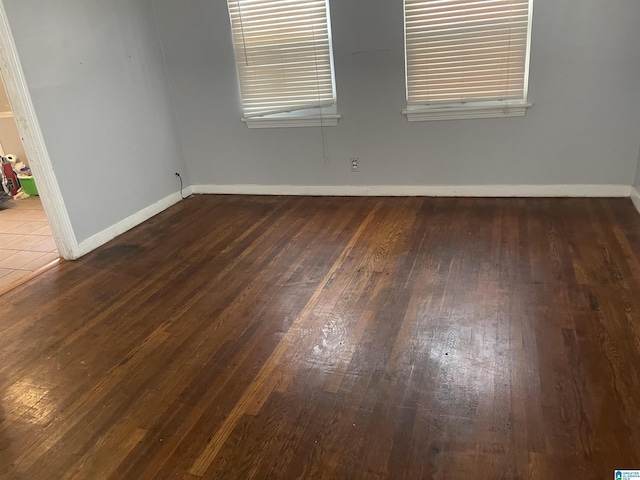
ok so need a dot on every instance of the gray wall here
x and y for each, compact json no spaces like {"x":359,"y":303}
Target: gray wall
{"x":581,"y":130}
{"x":96,"y":75}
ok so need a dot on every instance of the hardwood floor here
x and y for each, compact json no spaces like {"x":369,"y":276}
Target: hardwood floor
{"x":240,"y":337}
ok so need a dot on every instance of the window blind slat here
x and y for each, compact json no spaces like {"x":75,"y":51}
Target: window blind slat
{"x":266,"y":92}
{"x":465,"y":50}
{"x":502,"y":50}
{"x":434,"y":79}
{"x":303,"y":65}
{"x":283,"y":54}
{"x":429,"y":43}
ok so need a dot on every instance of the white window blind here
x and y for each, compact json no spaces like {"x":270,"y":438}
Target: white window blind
{"x":284,"y":56}
{"x":462,"y":51}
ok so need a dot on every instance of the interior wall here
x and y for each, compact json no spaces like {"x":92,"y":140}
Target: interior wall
{"x":11,"y":140}
{"x":582,"y":129}
{"x":9,"y":135}
{"x":96,"y":75}
{"x":5,"y":105}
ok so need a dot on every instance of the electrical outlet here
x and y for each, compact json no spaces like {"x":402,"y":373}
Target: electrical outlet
{"x":355,"y":164}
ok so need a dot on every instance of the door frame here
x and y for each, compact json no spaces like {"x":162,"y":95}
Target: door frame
{"x":34,"y":145}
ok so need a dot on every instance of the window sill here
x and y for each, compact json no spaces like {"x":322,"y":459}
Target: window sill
{"x":329,"y":120}
{"x":461,"y":112}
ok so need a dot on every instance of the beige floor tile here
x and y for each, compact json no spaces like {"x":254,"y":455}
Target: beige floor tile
{"x":33,"y":215}
{"x":45,"y":230}
{"x":41,"y":262}
{"x":12,"y":277}
{"x":5,"y":271}
{"x":6,"y":225}
{"x":6,"y":253}
{"x":45,"y":245}
{"x":24,"y":215}
{"x":24,"y":242}
{"x":31,"y":203}
{"x":8,"y":237}
{"x":20,"y":259}
{"x":30,"y":228}
{"x":16,"y":214}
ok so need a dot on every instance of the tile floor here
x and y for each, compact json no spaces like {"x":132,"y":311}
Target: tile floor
{"x":26,"y":243}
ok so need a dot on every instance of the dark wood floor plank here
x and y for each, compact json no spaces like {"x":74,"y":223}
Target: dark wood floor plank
{"x":301,"y":337}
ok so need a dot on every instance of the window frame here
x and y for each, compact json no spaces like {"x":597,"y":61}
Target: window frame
{"x":325,"y":116}
{"x":472,"y":108}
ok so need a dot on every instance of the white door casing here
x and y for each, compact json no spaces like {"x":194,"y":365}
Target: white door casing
{"x":35,"y":148}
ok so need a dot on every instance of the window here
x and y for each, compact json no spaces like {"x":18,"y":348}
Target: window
{"x":466,"y":58}
{"x":285,"y":62}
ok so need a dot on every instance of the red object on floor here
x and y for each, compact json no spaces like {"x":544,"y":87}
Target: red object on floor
{"x":12,"y":179}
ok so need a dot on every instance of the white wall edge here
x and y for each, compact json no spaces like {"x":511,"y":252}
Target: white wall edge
{"x":34,"y":145}
{"x":635,"y":198}
{"x":130,"y":222}
{"x":422,"y":190}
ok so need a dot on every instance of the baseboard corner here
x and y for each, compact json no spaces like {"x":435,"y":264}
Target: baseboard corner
{"x":127,"y":224}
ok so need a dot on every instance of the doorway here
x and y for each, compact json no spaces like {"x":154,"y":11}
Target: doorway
{"x":49,"y":206}
{"x":26,"y":240}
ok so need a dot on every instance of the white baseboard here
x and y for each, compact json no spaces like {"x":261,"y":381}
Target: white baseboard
{"x":635,"y":198}
{"x":128,"y":223}
{"x":422,"y":190}
{"x":134,"y":220}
